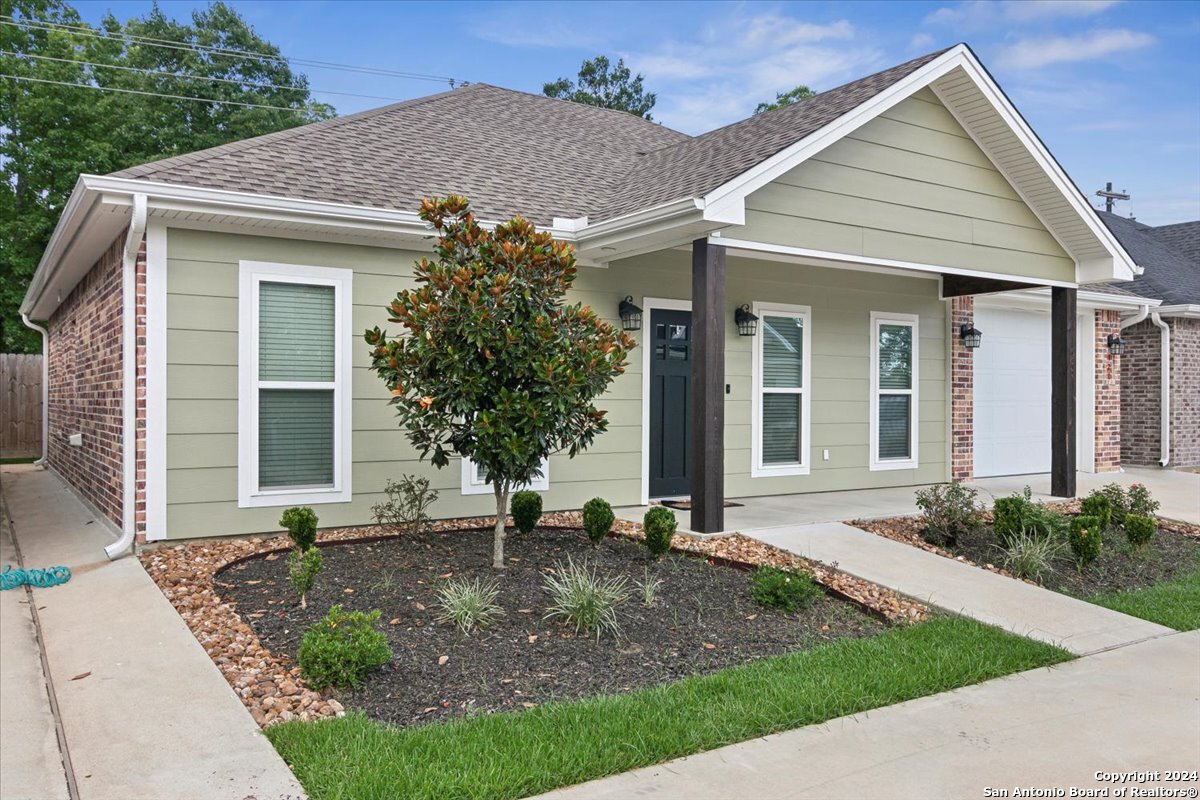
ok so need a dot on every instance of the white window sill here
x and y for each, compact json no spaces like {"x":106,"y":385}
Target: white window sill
{"x":880,"y":466}
{"x":295,"y":497}
{"x":780,"y":471}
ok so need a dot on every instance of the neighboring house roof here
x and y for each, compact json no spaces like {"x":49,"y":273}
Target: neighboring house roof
{"x":1182,"y":236}
{"x":1171,"y":274}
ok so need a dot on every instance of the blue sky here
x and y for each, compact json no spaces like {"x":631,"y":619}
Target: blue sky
{"x":1113,"y":88}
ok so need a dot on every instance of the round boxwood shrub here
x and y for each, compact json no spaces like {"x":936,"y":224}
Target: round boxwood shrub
{"x":526,"y":510}
{"x":788,"y":590}
{"x":1085,"y":539}
{"x":1139,"y":529}
{"x":301,"y":525}
{"x":1097,"y":505}
{"x":598,"y":519}
{"x":659,"y":525}
{"x":342,"y":648}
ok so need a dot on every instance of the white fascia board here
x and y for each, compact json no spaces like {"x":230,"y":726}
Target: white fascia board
{"x":1186,"y":310}
{"x":78,"y":208}
{"x":1040,"y":298}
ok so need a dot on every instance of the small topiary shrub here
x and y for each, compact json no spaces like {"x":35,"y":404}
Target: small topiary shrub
{"x":1099,"y":506}
{"x":1085,"y":539}
{"x":1140,"y":501}
{"x":303,"y":566}
{"x":469,"y":604}
{"x":598,"y":519}
{"x":1139,"y":530}
{"x":342,"y":648}
{"x":407,"y":505}
{"x":526,"y":510}
{"x":1118,"y":502}
{"x":1018,"y":514}
{"x":787,"y":590}
{"x":659,"y":525}
{"x":951,"y":511}
{"x":301,"y":525}
{"x":581,"y":598}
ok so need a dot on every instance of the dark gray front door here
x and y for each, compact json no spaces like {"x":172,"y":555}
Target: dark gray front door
{"x":670,"y":337}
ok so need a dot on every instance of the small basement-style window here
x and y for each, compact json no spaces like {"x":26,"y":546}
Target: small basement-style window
{"x":474,"y":481}
{"x":894,"y":382}
{"x":294,"y":382}
{"x":780,"y":416}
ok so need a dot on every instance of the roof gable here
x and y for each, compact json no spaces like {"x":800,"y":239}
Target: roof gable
{"x":1169,"y":273}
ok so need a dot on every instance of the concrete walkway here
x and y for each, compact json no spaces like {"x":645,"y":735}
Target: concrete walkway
{"x":1136,"y":708}
{"x":986,"y":596}
{"x":144,"y":710}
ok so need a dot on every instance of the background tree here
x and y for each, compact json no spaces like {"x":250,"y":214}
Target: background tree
{"x":493,"y":366}
{"x":602,"y":85}
{"x":786,"y":99}
{"x":50,"y":133}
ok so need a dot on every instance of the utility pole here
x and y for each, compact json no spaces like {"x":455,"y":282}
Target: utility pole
{"x":1110,"y":196}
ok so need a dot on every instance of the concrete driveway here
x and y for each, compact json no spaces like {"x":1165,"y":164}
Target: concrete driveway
{"x":104,"y":692}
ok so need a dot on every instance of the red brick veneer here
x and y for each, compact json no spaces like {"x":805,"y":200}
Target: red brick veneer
{"x":1107,"y":440}
{"x":962,"y":392}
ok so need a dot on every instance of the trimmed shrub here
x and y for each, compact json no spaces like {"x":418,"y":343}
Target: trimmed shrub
{"x":598,"y":519}
{"x":303,"y":566}
{"x":1099,"y":506}
{"x":1085,"y":539}
{"x":1140,"y":501}
{"x":1118,"y":502}
{"x":659,"y":525}
{"x":407,"y":505}
{"x":341,"y":648}
{"x":788,"y":590}
{"x":1017,"y":514}
{"x":1139,"y":530}
{"x":526,"y":510}
{"x":951,"y":510}
{"x":581,"y":598}
{"x":301,"y":525}
{"x":469,"y":604}
{"x":1030,"y":557}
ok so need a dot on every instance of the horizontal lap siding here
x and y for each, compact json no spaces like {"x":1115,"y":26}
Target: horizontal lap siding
{"x":908,"y":186}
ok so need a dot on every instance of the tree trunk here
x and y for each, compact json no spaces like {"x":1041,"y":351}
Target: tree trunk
{"x":304,"y":600}
{"x":501,"y":489}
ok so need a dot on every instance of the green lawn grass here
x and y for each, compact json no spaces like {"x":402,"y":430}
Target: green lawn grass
{"x":518,"y":754}
{"x":1174,"y":603}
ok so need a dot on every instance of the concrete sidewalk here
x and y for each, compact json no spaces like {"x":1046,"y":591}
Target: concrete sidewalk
{"x":153,"y":718}
{"x":1136,"y":708}
{"x":986,"y":596}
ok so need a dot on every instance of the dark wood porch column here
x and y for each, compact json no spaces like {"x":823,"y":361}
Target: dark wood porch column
{"x":708,"y":387}
{"x":1062,"y":392}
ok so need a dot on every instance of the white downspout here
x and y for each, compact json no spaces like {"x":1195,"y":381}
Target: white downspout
{"x":133,"y":241}
{"x":1165,"y":389}
{"x":1136,"y":318}
{"x":45,"y":386}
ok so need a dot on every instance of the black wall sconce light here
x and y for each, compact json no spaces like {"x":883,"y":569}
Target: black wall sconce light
{"x":1116,"y":345}
{"x":971,"y":336}
{"x":747,"y":321}
{"x":631,"y":315}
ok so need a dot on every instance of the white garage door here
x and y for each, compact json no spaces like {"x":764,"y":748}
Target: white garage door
{"x":1012,"y":391}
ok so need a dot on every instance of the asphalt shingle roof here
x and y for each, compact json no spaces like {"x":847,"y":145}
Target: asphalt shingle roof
{"x":1170,"y":275}
{"x":1182,"y":236}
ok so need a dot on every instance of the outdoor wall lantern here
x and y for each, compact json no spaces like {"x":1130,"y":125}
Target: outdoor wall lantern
{"x":1116,"y":345}
{"x":747,"y":322}
{"x":971,"y":336}
{"x":631,"y":315}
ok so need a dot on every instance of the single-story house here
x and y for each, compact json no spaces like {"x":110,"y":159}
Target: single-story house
{"x":870,"y":229}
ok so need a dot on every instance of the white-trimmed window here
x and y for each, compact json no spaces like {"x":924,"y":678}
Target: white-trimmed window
{"x":894,"y":382}
{"x":782,"y":367}
{"x":293,"y":384}
{"x":474,"y":481}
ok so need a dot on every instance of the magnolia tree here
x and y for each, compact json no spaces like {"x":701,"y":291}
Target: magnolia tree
{"x":493,"y":365}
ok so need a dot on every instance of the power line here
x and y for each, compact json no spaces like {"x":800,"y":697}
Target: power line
{"x":150,"y":94}
{"x":145,"y":71}
{"x":91,"y":33}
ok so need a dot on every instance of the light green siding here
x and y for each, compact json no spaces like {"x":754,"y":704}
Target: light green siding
{"x":912,"y":186}
{"x":202,"y":381}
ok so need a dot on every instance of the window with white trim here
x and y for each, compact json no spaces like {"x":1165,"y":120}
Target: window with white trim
{"x":293,"y":384}
{"x":780,"y":416}
{"x":474,"y":480}
{"x":894,"y":382}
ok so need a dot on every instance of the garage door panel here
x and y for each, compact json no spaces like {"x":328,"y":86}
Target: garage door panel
{"x":1012,"y":392}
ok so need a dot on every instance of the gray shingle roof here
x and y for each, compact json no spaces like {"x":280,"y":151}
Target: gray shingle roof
{"x":1169,"y":274}
{"x":1182,"y":236}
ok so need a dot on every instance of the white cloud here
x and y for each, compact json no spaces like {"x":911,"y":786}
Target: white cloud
{"x":1026,"y":10}
{"x":1038,"y":52}
{"x":974,"y":15}
{"x":920,"y":41}
{"x":736,"y":62}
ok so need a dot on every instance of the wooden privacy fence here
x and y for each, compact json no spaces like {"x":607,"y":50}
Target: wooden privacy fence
{"x":20,"y":405}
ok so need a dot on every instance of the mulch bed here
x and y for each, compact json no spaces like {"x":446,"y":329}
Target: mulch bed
{"x":269,"y":684}
{"x":1173,"y":552}
{"x":701,"y":620}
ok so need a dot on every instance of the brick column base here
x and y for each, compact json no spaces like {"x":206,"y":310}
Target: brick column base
{"x":1107,"y":437}
{"x":962,"y":392}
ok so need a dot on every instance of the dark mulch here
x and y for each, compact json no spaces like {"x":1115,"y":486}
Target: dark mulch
{"x":702,"y":620}
{"x":1169,"y":555}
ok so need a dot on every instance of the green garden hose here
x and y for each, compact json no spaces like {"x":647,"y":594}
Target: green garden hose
{"x":41,"y":578}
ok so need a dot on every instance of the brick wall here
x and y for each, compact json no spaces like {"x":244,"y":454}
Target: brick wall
{"x":84,"y":363}
{"x":1140,"y":394}
{"x":962,"y":392}
{"x":1107,"y":440}
{"x":1185,"y":392}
